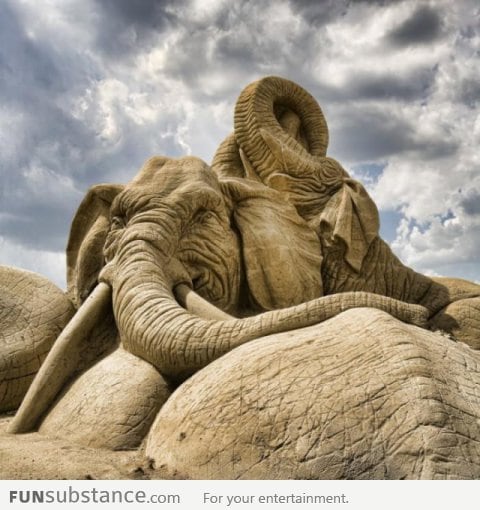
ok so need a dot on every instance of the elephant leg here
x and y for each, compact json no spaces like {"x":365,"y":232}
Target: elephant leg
{"x":462,"y":320}
{"x":33,"y":311}
{"x":111,"y":405}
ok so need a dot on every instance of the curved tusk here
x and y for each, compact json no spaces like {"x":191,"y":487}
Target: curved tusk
{"x":195,"y":304}
{"x":61,"y":361}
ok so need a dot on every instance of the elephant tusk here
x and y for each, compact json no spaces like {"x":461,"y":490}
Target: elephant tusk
{"x":60,"y":361}
{"x":195,"y":304}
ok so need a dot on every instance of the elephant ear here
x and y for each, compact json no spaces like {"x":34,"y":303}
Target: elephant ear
{"x":352,"y":217}
{"x":87,"y":237}
{"x":282,"y":254}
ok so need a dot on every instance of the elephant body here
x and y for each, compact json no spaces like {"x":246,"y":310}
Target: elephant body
{"x":361,"y":396}
{"x":280,"y":138}
{"x":382,"y":273}
{"x":260,"y":291}
{"x":106,"y":418}
{"x":33,"y":311}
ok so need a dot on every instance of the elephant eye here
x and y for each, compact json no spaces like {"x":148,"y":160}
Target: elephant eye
{"x":208,"y":215}
{"x":203,"y":216}
{"x":117,"y":223}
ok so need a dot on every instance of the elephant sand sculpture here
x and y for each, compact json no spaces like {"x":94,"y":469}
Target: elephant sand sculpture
{"x":239,"y":320}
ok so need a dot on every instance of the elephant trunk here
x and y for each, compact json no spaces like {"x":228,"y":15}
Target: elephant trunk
{"x":155,"y":327}
{"x":258,"y":111}
{"x":61,"y":361}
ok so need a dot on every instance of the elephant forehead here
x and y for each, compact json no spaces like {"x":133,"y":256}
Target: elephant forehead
{"x":168,"y":174}
{"x":177,"y":195}
{"x":187,"y":170}
{"x":193,"y":196}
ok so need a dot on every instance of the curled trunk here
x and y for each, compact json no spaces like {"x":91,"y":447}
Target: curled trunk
{"x":153,"y":326}
{"x":278,"y":109}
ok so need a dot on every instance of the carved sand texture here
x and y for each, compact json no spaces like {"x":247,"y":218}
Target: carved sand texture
{"x":258,"y":289}
{"x":461,"y":320}
{"x":37,"y":457}
{"x":227,"y":161}
{"x":359,"y":396}
{"x":103,"y":408}
{"x":33,"y":311}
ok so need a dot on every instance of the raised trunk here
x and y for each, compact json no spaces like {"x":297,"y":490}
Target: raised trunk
{"x":258,"y":111}
{"x":153,"y":326}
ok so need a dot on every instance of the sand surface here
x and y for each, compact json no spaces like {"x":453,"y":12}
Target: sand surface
{"x":36,"y":457}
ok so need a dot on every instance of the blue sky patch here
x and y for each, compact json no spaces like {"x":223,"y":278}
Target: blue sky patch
{"x":389,"y":221}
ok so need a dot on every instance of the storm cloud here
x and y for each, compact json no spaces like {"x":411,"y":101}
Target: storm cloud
{"x":423,"y":26}
{"x":91,"y":89}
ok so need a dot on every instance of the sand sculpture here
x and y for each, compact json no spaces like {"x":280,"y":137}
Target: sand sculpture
{"x":239,"y":320}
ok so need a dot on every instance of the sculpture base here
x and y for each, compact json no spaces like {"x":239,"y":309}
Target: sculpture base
{"x":36,"y":457}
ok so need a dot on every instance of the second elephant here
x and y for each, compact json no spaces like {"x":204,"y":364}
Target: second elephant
{"x":280,"y":138}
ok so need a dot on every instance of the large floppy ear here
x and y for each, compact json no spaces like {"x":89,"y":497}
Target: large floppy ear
{"x":282,"y":254}
{"x":87,"y":237}
{"x":352,"y":217}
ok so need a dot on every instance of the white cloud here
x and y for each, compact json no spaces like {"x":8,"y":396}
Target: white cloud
{"x":50,"y":264}
{"x":95,"y":88}
{"x":431,"y":188}
{"x":453,"y":241}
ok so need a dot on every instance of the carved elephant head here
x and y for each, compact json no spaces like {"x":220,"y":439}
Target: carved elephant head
{"x":235,"y":242}
{"x":280,"y":138}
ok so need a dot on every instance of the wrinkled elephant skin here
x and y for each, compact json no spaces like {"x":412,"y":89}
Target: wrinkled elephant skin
{"x":33,"y":311}
{"x":103,"y":416}
{"x":359,"y":396}
{"x":241,"y":320}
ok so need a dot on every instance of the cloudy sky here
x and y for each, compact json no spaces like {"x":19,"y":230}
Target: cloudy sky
{"x":89,"y":89}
